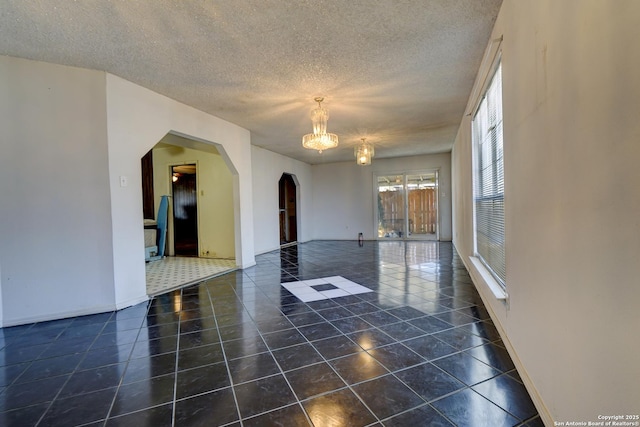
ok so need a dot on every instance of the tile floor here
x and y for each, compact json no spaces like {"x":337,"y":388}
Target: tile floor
{"x":173,"y":272}
{"x":242,"y":350}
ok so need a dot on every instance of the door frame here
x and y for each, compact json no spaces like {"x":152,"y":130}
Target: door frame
{"x":296,"y":185}
{"x":170,"y":219}
{"x":404,"y":174}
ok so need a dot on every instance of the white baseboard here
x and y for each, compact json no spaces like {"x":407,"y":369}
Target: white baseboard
{"x":57,"y":316}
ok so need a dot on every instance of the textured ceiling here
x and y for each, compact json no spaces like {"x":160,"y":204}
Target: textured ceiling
{"x":397,"y":72}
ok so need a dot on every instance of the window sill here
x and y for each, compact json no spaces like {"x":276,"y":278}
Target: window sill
{"x":498,"y":291}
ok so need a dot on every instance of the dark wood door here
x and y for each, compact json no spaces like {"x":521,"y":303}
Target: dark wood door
{"x":288,"y":209}
{"x":185,"y":214}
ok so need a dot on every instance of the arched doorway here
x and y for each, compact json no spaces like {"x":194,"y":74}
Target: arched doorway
{"x":288,"y":209}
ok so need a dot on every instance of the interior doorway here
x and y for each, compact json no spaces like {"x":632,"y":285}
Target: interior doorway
{"x":185,"y":209}
{"x":408,"y":206}
{"x":288,"y":209}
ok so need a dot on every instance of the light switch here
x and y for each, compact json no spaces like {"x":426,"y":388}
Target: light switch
{"x":123,"y":181}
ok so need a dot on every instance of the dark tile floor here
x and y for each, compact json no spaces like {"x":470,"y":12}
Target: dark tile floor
{"x":240,"y":350}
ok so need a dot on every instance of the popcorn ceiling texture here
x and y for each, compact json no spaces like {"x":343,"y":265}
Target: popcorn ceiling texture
{"x":398,"y":72}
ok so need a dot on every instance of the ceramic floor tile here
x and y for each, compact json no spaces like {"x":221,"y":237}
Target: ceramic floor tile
{"x":313,"y":380}
{"x":339,"y":408}
{"x":468,"y":408}
{"x":387,"y":396}
{"x":230,"y":350}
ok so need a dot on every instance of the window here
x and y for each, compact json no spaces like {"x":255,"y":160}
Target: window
{"x":489,"y":179}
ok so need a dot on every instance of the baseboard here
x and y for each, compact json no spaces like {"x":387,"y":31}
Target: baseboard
{"x":57,"y":316}
{"x":537,"y":400}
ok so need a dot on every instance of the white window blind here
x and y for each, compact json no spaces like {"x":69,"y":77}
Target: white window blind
{"x":489,"y":179}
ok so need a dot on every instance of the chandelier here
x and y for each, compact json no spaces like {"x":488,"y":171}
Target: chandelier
{"x":364,"y":152}
{"x":319,"y":140}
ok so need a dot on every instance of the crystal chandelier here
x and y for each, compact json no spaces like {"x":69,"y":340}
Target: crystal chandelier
{"x":319,"y":140}
{"x":364,"y":152}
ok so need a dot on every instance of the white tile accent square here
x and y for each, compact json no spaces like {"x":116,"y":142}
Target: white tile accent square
{"x":303,"y":289}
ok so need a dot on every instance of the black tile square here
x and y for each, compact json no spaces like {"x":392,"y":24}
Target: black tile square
{"x":509,"y":394}
{"x":201,"y":380}
{"x":116,"y":338}
{"x":159,"y":416}
{"x":465,"y":368}
{"x":493,"y":355}
{"x":430,"y":347}
{"x":62,"y":347}
{"x":319,"y":331}
{"x":45,"y":368}
{"x":324,"y":287}
{"x":456,"y":318}
{"x":406,"y":313}
{"x":323,"y":304}
{"x":198,"y":338}
{"x":485,"y":329}
{"x":27,"y":416}
{"x":402,"y":331}
{"x":421,"y":416}
{"x":371,"y":338}
{"x":244,"y":347}
{"x":80,"y":409}
{"x":358,"y":367}
{"x":387,"y":396}
{"x":143,"y":394}
{"x":396,"y":356}
{"x":90,"y":380}
{"x":210,"y":409}
{"x":291,"y":415}
{"x":25,"y":394}
{"x":362,"y":307}
{"x":307,"y":318}
{"x":9,"y":373}
{"x":339,"y":408}
{"x":429,"y":381}
{"x":148,"y":367}
{"x":468,"y":408}
{"x":237,"y":331}
{"x":199,"y":356}
{"x":313,"y":380}
{"x":380,"y":318}
{"x":351,"y":324}
{"x":430,"y":324}
{"x":297,"y":356}
{"x":263,"y":395}
{"x":146,"y":348}
{"x":460,"y":338}
{"x":335,"y":313}
{"x":252,"y":367}
{"x":106,"y":356}
{"x":334,"y":347}
{"x":285,"y":338}
{"x":274,"y":324}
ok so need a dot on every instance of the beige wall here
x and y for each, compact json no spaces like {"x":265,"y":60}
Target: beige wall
{"x":215,"y":197}
{"x":343,"y":195}
{"x":55,"y":221}
{"x":268,"y":168}
{"x":571,"y":95}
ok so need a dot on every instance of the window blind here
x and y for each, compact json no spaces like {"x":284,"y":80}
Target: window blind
{"x":489,"y":179}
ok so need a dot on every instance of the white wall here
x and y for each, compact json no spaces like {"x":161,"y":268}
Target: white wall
{"x":343,"y":195}
{"x":571,"y":94}
{"x":268,"y":168}
{"x":70,"y":184}
{"x":55,"y":215}
{"x":137,"y":119}
{"x":215,"y":197}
